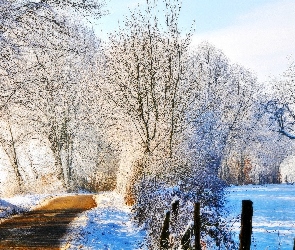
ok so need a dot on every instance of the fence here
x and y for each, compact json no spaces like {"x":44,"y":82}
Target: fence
{"x":244,"y":236}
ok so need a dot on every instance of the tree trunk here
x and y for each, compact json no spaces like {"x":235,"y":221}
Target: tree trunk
{"x":59,"y":168}
{"x":13,"y":159}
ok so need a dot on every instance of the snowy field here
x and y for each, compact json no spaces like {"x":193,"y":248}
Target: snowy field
{"x":273,"y":217}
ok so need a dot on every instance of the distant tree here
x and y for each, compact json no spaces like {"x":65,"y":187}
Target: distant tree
{"x":281,"y":107}
{"x":222,"y":115}
{"x":276,"y":127}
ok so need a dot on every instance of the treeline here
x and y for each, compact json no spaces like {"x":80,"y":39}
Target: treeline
{"x":141,"y":112}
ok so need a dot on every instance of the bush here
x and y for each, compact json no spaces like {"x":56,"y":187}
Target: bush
{"x":154,"y":197}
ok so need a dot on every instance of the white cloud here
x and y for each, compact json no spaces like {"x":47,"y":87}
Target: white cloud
{"x":261,"y":40}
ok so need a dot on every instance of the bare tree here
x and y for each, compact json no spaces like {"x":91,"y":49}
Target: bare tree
{"x":145,"y":74}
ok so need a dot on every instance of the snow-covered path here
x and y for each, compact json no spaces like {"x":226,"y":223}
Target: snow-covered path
{"x":105,"y":227}
{"x":44,"y":226}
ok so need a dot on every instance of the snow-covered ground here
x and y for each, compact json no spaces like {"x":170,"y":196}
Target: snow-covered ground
{"x":106,"y":227}
{"x":273,"y":216}
{"x":19,"y":204}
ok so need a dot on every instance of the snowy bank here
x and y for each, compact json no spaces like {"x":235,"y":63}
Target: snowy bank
{"x":23,"y":203}
{"x":19,"y":204}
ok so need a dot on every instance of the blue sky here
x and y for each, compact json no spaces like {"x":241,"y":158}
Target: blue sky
{"x":259,"y":34}
{"x":212,"y":15}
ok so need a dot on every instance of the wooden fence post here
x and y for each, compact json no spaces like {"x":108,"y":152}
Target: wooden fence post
{"x":197,"y":226}
{"x":174,"y":215}
{"x":164,"y":239}
{"x":246,"y":225}
{"x":175,"y":208}
{"x":186,"y":238}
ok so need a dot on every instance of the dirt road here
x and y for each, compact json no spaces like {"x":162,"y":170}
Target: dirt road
{"x":43,"y":227}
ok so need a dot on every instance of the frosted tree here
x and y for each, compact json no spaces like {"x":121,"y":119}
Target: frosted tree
{"x":167,"y":101}
{"x":145,"y":66}
{"x":282,"y":105}
{"x":145,"y":79}
{"x":277,"y":136}
{"x":44,"y":64}
{"x":9,"y":141}
{"x":222,"y":116}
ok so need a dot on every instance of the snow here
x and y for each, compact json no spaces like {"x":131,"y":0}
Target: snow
{"x":19,"y":204}
{"x":106,"y":227}
{"x":273,"y":215}
{"x":109,"y":226}
{"x":22,"y":203}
